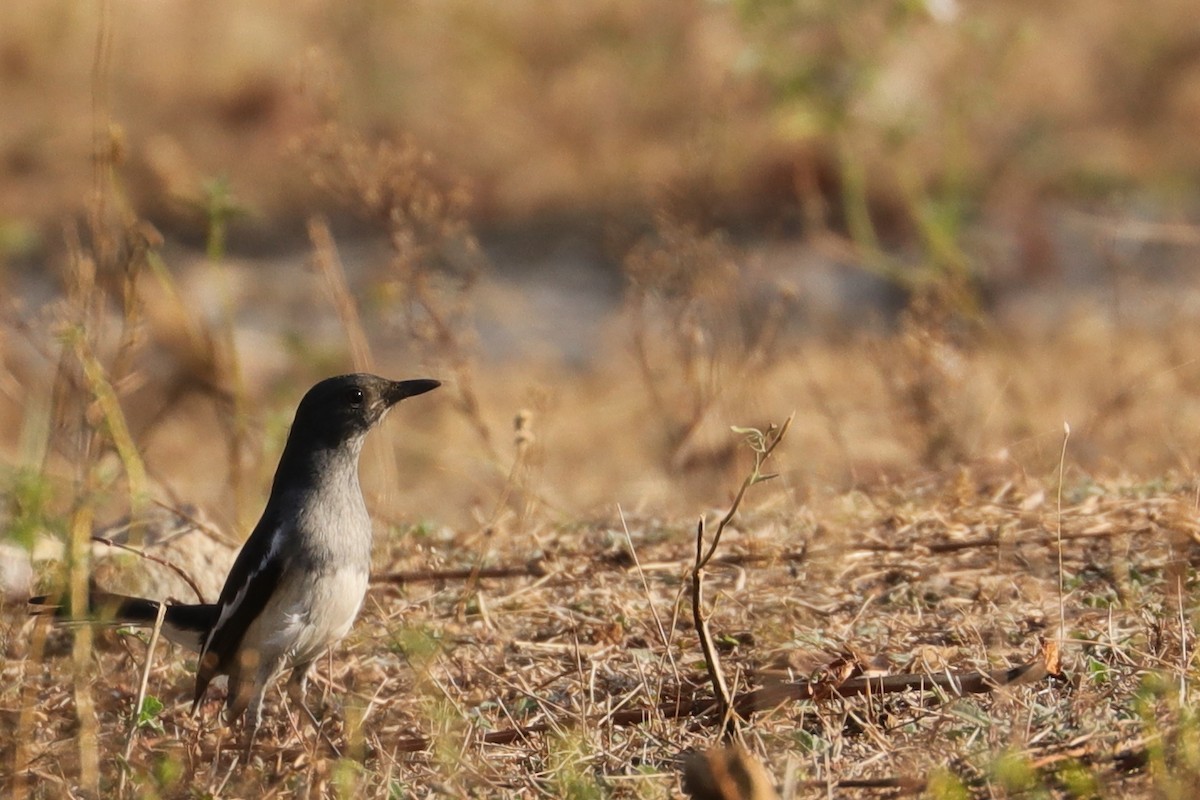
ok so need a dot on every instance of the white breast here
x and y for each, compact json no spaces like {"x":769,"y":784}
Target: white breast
{"x":307,"y":617}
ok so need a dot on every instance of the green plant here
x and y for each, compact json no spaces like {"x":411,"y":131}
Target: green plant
{"x":147,"y":714}
{"x":219,"y":205}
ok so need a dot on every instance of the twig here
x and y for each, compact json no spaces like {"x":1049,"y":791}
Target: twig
{"x":763,"y":445}
{"x":1133,"y":757}
{"x":1062,"y":609}
{"x":532,"y":569}
{"x":903,"y":784}
{"x":328,"y":263}
{"x":712,"y":659}
{"x":991,"y":540}
{"x":953,"y":684}
{"x":161,"y":561}
{"x":88,"y":736}
{"x":662,"y":632}
{"x":141,"y":698}
{"x":207,"y":528}
{"x":105,"y":396}
{"x":956,"y":684}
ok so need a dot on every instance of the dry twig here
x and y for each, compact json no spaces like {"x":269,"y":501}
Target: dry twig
{"x":763,"y":445}
{"x":746,"y":704}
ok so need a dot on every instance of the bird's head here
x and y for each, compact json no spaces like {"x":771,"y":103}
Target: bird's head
{"x":341,"y":409}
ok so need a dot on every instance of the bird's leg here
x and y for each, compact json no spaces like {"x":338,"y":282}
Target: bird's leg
{"x":247,"y":689}
{"x":297,"y":689}
{"x":253,"y":718}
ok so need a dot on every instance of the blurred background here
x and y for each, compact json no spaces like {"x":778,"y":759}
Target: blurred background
{"x":933,"y":229}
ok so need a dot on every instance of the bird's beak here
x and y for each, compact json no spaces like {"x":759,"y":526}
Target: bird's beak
{"x":398,"y":390}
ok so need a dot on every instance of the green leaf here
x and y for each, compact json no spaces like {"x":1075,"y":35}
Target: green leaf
{"x":148,"y":713}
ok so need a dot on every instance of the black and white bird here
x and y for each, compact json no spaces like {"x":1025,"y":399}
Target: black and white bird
{"x":300,"y":579}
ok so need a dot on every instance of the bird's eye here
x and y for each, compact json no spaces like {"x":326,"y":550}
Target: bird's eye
{"x":355,"y":396}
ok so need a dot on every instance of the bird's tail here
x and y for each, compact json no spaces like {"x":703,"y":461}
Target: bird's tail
{"x":183,"y":623}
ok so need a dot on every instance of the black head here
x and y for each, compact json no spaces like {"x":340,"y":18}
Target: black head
{"x":341,"y":409}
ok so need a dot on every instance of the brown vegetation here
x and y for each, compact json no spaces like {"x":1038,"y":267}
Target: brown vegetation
{"x":942,"y":590}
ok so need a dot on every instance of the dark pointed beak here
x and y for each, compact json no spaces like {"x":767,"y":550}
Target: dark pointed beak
{"x":398,"y":390}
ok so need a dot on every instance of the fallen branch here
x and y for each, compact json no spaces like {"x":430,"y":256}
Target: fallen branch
{"x":955,"y":684}
{"x":1127,"y":759}
{"x":746,"y":704}
{"x":993,"y":540}
{"x":531,"y":569}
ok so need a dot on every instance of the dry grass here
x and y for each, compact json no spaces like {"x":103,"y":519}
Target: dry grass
{"x":865,"y":553}
{"x":955,"y":572}
{"x":530,"y":631}
{"x":877,"y":549}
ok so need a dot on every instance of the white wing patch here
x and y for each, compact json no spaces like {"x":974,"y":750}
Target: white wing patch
{"x":228,"y":609}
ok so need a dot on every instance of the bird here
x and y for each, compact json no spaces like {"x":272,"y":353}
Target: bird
{"x":299,"y":580}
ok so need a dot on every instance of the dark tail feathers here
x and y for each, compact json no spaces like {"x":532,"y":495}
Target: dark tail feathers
{"x":183,"y":623}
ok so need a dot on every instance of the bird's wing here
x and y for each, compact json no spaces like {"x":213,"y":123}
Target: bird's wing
{"x":249,"y":586}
